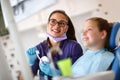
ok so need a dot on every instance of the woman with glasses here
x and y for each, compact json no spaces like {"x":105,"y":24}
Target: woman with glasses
{"x":60,"y":33}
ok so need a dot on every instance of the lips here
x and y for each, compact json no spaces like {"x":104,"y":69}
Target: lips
{"x":56,"y":31}
{"x":85,"y":38}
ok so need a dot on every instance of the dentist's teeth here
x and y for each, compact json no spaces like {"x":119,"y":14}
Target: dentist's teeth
{"x":55,"y":30}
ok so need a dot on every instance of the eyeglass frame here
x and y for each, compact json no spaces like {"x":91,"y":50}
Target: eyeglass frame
{"x":60,"y":23}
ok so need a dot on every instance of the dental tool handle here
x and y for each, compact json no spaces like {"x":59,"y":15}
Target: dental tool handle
{"x":37,"y":53}
{"x":50,"y":57}
{"x":43,"y":58}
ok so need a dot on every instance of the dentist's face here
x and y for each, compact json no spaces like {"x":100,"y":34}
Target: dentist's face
{"x":57,"y":25}
{"x":91,"y":36}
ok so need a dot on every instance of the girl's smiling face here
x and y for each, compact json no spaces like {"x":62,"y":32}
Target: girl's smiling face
{"x":91,"y":35}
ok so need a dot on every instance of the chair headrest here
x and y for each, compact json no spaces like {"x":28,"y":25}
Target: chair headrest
{"x":113,"y":35}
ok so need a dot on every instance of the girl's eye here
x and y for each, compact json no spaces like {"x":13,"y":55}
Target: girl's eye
{"x":89,"y":29}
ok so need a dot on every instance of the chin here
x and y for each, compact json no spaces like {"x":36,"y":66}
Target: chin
{"x":56,"y":36}
{"x":85,"y":44}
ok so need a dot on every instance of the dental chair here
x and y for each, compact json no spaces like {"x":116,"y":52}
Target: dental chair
{"x":115,"y":45}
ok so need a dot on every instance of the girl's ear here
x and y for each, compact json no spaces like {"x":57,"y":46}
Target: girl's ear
{"x":104,"y":34}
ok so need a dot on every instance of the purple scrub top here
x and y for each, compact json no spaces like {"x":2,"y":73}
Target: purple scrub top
{"x":70,"y":48}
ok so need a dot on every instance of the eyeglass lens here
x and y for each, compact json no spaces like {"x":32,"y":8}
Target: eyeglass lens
{"x":61,"y":23}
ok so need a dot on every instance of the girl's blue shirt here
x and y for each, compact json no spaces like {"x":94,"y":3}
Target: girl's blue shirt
{"x":92,"y":61}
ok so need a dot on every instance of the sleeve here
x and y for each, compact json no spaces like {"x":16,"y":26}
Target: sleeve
{"x":42,"y":50}
{"x":35,"y":67}
{"x":32,"y":59}
{"x":76,"y":52}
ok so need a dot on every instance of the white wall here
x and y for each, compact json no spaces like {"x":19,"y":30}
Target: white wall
{"x":78,"y":10}
{"x":30,"y":38}
{"x":9,"y":64}
{"x":111,"y":7}
{"x":72,"y":8}
{"x":5,"y":73}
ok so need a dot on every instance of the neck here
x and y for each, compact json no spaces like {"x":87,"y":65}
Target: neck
{"x":54,"y":43}
{"x":96,"y":48}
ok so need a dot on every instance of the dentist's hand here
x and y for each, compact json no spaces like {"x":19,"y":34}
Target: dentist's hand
{"x":45,"y":68}
{"x":31,"y":55}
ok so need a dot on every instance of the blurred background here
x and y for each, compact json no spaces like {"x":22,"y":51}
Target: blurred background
{"x":31,"y":17}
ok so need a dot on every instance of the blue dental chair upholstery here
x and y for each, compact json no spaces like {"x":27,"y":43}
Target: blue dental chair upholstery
{"x":116,"y":49}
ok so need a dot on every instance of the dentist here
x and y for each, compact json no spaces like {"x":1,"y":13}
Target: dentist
{"x":60,"y":33}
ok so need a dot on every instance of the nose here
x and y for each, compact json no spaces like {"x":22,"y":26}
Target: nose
{"x":84,"y":33}
{"x":57,"y":25}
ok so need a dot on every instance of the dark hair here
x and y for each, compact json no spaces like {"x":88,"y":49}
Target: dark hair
{"x":71,"y":31}
{"x":103,"y":24}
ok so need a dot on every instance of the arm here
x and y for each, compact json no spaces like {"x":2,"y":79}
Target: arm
{"x":32,"y":59}
{"x":47,"y":69}
{"x":31,"y":55}
{"x":76,"y":52}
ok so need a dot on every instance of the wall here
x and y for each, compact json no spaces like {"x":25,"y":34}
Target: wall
{"x":72,"y":8}
{"x":5,"y":73}
{"x":31,"y":38}
{"x":10,"y":56}
{"x":108,"y":9}
{"x":78,"y":10}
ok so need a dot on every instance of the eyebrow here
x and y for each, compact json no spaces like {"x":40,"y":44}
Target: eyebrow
{"x":59,"y":20}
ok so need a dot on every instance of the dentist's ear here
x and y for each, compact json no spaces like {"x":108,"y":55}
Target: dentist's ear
{"x":66,"y":29}
{"x":104,"y":34}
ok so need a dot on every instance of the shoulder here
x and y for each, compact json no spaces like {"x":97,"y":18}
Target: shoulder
{"x":42,"y":44}
{"x":72,"y":45}
{"x":71,"y":42}
{"x":43,"y":48}
{"x":109,"y":54}
{"x":104,"y":54}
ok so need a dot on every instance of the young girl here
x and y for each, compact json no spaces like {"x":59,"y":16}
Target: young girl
{"x":95,"y":36}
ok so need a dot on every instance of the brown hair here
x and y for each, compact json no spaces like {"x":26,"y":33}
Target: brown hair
{"x":71,"y":31}
{"x":103,"y":24}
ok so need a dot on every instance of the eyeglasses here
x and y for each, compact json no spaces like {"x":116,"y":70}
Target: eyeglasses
{"x":61,"y":23}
